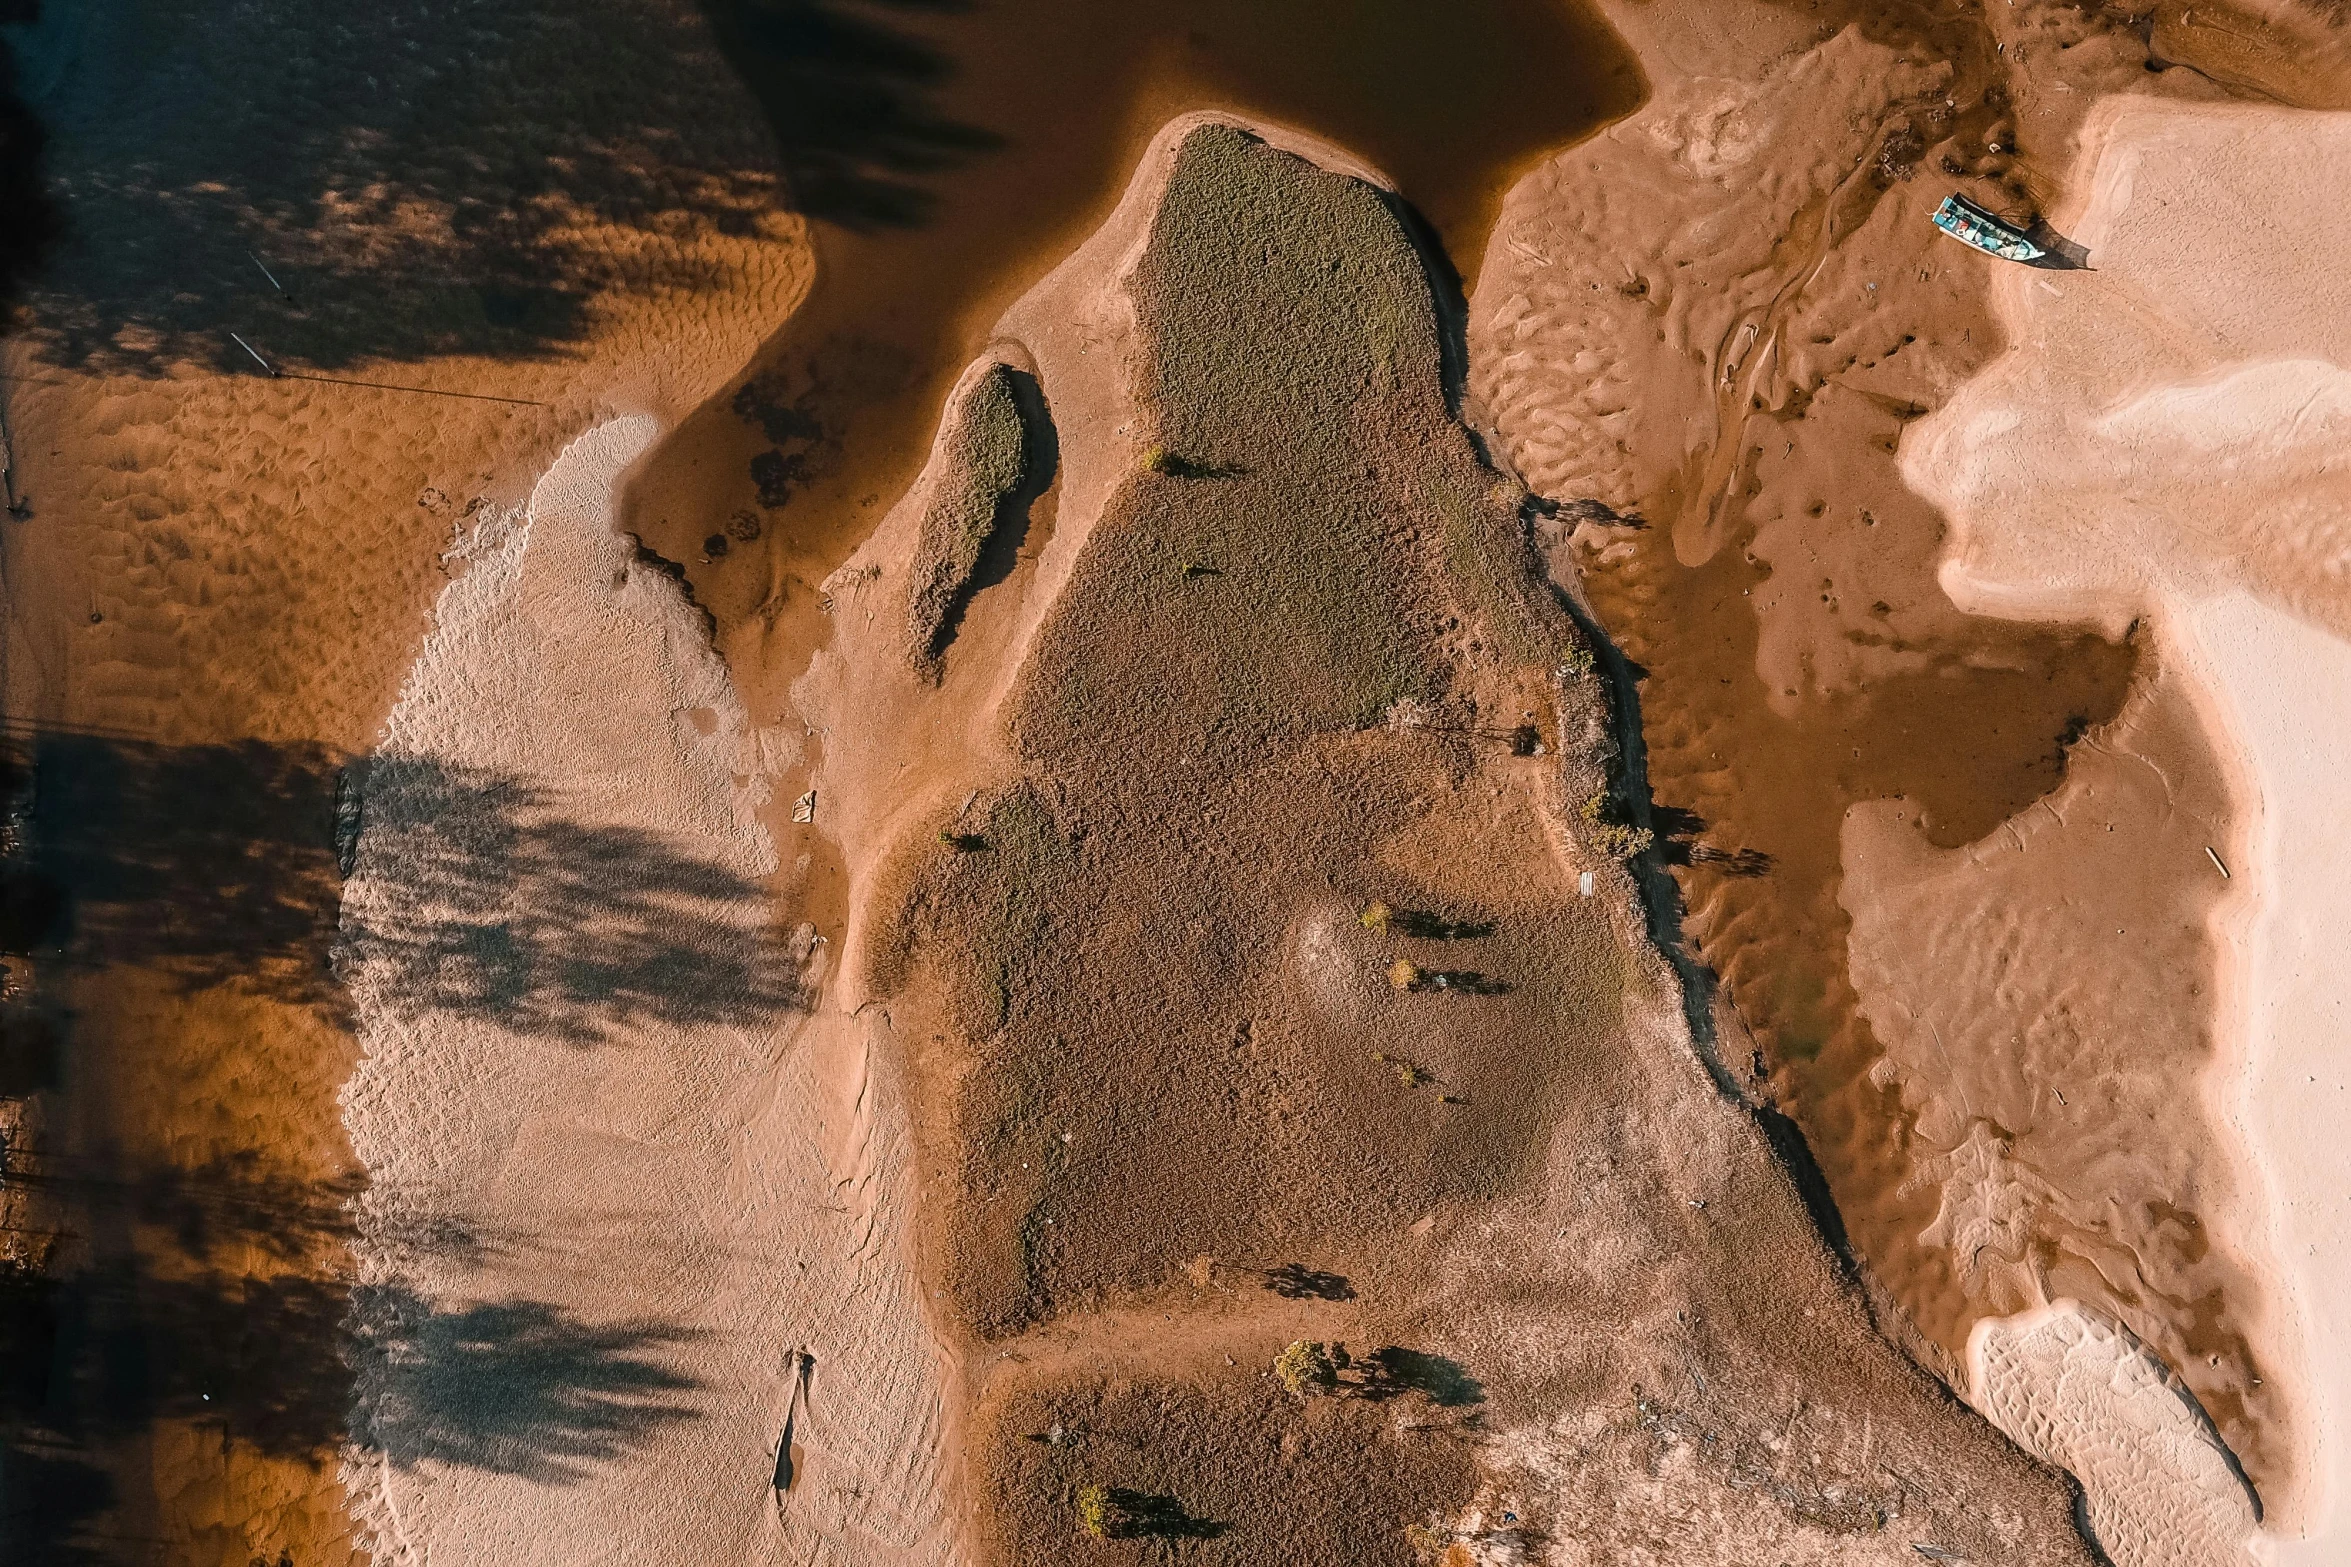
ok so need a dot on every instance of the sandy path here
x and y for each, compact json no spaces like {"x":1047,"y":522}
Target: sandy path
{"x":617,"y":1178}
{"x":2167,"y":439}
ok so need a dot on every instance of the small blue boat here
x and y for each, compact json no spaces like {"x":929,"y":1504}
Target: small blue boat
{"x":1970,"y":224}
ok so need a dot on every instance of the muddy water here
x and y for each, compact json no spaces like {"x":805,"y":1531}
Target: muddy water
{"x":949,"y":158}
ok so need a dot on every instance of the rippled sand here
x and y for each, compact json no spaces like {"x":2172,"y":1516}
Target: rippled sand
{"x":2166,"y":440}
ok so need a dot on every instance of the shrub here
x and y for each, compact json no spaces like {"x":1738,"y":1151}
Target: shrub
{"x":1096,"y":1514}
{"x":1307,"y":1368}
{"x":1375,"y":915}
{"x":1613,"y":837}
{"x":1405,"y":974}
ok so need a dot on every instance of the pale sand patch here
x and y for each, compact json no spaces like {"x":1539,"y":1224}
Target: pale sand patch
{"x":618,"y":1176}
{"x":2160,"y":1488}
{"x":2168,"y":439}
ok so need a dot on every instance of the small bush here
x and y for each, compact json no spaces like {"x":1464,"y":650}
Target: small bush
{"x":1405,"y":974}
{"x":1625,"y":843}
{"x":1613,"y":837}
{"x":1096,"y":1515}
{"x":1306,"y":1368}
{"x":1375,"y":915}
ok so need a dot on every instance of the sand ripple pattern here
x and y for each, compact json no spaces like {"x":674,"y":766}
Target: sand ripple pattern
{"x":619,"y":1173}
{"x":2082,"y":1393}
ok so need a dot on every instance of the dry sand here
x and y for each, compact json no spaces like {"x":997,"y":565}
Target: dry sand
{"x":618,"y":1183}
{"x":2165,"y":439}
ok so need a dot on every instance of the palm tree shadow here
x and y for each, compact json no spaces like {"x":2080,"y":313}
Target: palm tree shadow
{"x":303,"y":1367}
{"x":517,"y":1388}
{"x":1152,"y":1515}
{"x":482,"y":899}
{"x":222,"y":865}
{"x":848,"y":98}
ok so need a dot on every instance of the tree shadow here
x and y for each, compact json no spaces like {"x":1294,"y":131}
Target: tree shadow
{"x":514,"y":1388}
{"x":301,"y":1366}
{"x":1153,"y":1515}
{"x":212,"y":864}
{"x":1678,"y":843}
{"x":221,"y":865}
{"x":413,"y":183}
{"x":28,"y":216}
{"x":1425,"y":926}
{"x":848,"y":98}
{"x":482,"y":899}
{"x":1296,"y":1281}
{"x":218,"y":1294}
{"x":1393,"y":1372}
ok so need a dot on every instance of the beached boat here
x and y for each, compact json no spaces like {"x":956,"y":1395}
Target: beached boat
{"x":1970,"y":224}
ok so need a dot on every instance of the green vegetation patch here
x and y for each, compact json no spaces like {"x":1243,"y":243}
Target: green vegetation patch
{"x":981,"y":462}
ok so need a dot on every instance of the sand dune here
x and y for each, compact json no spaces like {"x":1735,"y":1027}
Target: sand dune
{"x":2160,"y":1488}
{"x":2165,"y":440}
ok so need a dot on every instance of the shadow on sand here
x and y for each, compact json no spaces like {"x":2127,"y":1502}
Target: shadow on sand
{"x":221,"y":865}
{"x":212,"y":1287}
{"x":848,"y":97}
{"x":414,"y":182}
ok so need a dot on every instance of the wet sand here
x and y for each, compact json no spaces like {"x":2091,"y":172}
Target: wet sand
{"x":1883,"y":813}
